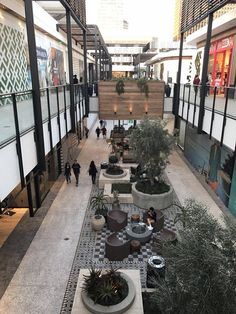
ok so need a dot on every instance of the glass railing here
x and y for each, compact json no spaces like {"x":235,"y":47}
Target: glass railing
{"x":53,"y":101}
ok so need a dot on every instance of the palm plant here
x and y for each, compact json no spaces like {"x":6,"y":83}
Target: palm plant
{"x":99,"y":203}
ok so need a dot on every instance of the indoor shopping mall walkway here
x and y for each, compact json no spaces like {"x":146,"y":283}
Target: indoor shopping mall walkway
{"x":40,"y":282}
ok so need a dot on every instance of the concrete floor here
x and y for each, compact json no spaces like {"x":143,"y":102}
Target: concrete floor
{"x":40,"y":281}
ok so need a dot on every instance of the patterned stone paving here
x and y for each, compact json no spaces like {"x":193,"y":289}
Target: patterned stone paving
{"x":90,"y":251}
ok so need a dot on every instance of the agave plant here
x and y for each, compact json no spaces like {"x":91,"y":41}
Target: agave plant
{"x":107,"y":288}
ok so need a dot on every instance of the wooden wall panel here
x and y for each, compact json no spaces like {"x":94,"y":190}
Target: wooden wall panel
{"x":131,"y":101}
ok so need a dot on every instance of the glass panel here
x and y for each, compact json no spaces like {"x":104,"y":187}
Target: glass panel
{"x":61,"y":97}
{"x":68,"y":96}
{"x":44,"y":103}
{"x":53,"y":100}
{"x":25,"y":111}
{"x":7,"y":124}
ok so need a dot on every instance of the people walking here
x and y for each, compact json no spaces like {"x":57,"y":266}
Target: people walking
{"x":101,"y":123}
{"x":67,"y":172}
{"x":104,"y":132}
{"x":76,"y":170}
{"x":86,"y":130}
{"x":92,"y":171}
{"x":196,"y":83}
{"x":98,"y":131}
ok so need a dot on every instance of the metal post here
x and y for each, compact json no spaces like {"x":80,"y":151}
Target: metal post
{"x":96,"y":58}
{"x":213,"y":112}
{"x":58,"y":115}
{"x":65,"y":112}
{"x":70,"y":64}
{"x":49,"y":121}
{"x":179,"y":74}
{"x":224,"y":120}
{"x":100,"y":62}
{"x":204,"y":74}
{"x":85,"y":74}
{"x":29,"y":19}
{"x":18,"y":142}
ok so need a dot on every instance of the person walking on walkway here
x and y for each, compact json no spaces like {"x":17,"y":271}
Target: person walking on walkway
{"x":86,"y":130}
{"x":76,"y":169}
{"x":101,"y":123}
{"x":67,"y":172}
{"x":98,"y":131}
{"x":104,"y":132}
{"x":92,"y":171}
{"x":196,"y":83}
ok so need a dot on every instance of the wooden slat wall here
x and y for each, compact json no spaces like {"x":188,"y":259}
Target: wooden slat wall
{"x":132,"y":100}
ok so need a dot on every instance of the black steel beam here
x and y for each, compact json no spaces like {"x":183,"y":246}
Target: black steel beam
{"x":49,"y":121}
{"x":85,"y":75}
{"x":225,"y":116}
{"x":70,"y":65}
{"x":29,"y":19}
{"x":58,"y":115}
{"x":179,"y":74}
{"x":204,"y":74}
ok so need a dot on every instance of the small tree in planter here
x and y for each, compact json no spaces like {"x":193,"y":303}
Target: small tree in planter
{"x":201,"y":267}
{"x":152,"y":145}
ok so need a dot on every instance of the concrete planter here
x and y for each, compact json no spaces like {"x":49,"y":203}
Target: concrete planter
{"x":112,"y":309}
{"x":158,"y":201}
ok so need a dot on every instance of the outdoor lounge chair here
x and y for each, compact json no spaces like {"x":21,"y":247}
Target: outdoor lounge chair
{"x":116,"y":249}
{"x":116,"y":219}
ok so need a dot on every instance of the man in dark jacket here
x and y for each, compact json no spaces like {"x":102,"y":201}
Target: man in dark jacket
{"x":76,"y":170}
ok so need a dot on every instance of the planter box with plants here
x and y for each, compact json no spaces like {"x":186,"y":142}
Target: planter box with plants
{"x":108,"y":289}
{"x":152,"y":145}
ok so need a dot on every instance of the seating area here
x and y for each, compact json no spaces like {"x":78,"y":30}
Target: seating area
{"x":116,"y":249}
{"x":116,"y":219}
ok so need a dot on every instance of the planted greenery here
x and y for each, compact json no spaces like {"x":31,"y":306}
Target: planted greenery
{"x":105,"y":288}
{"x":120,"y":87}
{"x":151,"y":145}
{"x":122,"y":188}
{"x":143,"y":86}
{"x":201,"y":267}
{"x":99,"y":203}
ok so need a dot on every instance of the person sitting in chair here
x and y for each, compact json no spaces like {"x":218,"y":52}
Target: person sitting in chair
{"x":151,"y":216}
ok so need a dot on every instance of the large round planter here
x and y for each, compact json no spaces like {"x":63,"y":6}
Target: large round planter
{"x":158,"y":201}
{"x":112,"y":309}
{"x":97,"y":222}
{"x":115,"y":176}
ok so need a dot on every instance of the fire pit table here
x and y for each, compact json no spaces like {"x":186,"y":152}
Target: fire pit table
{"x":139,"y":232}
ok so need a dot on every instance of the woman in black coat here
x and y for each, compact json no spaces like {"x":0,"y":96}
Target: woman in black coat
{"x":93,"y":171}
{"x":67,"y":172}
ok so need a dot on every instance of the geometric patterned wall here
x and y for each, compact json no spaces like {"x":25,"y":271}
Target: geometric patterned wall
{"x":13,"y":62}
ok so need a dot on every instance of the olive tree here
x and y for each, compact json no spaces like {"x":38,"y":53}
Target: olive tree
{"x":152,"y":144}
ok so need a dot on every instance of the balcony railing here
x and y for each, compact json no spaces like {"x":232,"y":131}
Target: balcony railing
{"x":219,"y":111}
{"x":54,"y":100}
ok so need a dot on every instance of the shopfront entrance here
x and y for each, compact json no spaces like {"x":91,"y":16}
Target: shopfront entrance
{"x":220,"y":63}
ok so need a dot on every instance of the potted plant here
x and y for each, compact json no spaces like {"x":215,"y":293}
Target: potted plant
{"x":98,"y":202}
{"x":201,"y":270}
{"x":108,"y":291}
{"x":120,"y":87}
{"x":152,"y":144}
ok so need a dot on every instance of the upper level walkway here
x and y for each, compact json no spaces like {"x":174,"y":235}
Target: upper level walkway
{"x":40,"y":282}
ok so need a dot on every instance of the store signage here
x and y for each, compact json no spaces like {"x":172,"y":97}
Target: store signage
{"x":226,"y":43}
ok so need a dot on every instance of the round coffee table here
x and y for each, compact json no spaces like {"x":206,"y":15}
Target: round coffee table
{"x":138,"y":231}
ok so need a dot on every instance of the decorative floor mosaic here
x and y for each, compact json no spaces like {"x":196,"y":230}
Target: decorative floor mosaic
{"x":91,"y":247}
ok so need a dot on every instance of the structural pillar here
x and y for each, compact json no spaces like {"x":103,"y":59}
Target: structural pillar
{"x":85,"y":74}
{"x":176,"y":105}
{"x":70,"y":65}
{"x":204,"y":73}
{"x":29,"y":19}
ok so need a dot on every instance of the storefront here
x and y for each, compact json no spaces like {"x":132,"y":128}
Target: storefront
{"x":219,"y":65}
